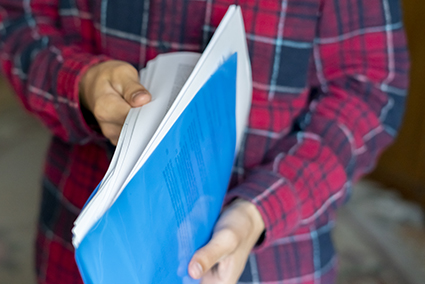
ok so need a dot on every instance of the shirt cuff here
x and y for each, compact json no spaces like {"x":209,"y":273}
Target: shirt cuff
{"x":275,"y":199}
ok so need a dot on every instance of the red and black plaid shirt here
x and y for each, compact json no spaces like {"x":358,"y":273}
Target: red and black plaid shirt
{"x":329,"y":79}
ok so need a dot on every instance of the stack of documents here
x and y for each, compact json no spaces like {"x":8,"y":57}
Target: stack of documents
{"x":163,"y":191}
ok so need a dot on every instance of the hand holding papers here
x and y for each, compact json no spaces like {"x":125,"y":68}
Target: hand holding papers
{"x":163,"y":191}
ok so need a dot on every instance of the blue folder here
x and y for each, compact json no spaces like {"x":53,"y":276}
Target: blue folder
{"x":170,"y":207}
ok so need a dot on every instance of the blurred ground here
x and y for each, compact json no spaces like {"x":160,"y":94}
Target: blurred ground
{"x":380,"y":238}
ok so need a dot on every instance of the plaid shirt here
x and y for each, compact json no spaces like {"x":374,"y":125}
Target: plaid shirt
{"x":329,"y":83}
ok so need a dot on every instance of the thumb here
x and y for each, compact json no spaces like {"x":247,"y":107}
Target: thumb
{"x":223,"y":243}
{"x":135,"y":93}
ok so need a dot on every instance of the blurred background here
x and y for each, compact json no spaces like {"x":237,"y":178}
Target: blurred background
{"x":380,"y":234}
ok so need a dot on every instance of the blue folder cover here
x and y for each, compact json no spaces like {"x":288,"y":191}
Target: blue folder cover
{"x":169,"y":209}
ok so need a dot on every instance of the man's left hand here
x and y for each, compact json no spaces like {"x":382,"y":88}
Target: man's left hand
{"x":223,"y":259}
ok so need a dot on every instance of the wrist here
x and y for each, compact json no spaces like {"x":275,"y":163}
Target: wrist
{"x":255,"y":220}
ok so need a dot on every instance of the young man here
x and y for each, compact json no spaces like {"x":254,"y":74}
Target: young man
{"x":329,"y":89}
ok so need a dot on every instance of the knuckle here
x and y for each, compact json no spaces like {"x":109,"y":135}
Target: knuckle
{"x":125,"y":69}
{"x":228,"y":238}
{"x":101,"y":111}
{"x":121,"y":68}
{"x":116,"y":85}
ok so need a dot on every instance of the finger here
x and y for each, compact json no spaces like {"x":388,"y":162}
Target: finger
{"x":135,"y":93}
{"x":111,"y":108}
{"x":223,"y":243}
{"x":219,"y":273}
{"x":111,"y":131}
{"x":126,"y":82}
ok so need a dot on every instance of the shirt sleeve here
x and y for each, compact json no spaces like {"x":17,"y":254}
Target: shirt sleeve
{"x":354,"y":115}
{"x":44,"y":68}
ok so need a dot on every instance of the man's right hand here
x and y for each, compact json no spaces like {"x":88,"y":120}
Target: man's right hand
{"x":109,"y":90}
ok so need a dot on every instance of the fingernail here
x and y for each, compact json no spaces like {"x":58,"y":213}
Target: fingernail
{"x":140,"y":96}
{"x":196,"y":270}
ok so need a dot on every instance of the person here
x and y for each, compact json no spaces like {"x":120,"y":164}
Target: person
{"x":329,"y":88}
